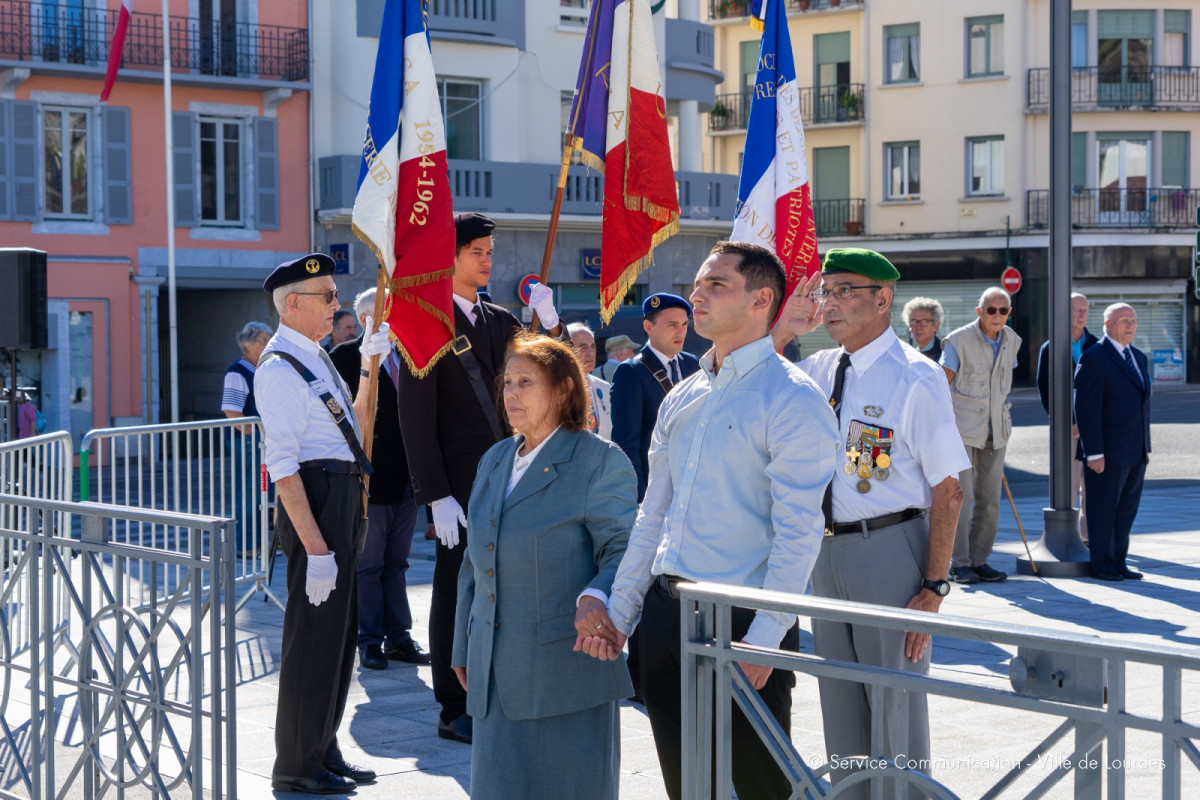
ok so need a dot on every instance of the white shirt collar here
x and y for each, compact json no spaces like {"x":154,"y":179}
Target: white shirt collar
{"x":862,"y":358}
{"x":297,"y":338}
{"x":740,"y":361}
{"x":1120,"y":347}
{"x":666,"y":360}
{"x":468,"y":308}
{"x":527,"y":459}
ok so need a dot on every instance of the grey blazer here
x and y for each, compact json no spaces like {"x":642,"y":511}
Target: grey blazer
{"x":564,"y":528}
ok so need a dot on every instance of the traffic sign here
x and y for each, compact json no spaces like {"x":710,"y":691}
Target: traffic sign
{"x":1010,"y":279}
{"x":525,"y":286}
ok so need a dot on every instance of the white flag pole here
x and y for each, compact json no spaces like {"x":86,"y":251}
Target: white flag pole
{"x":170,"y":140}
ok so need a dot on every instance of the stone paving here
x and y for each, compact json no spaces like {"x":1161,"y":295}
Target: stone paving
{"x":390,"y":722}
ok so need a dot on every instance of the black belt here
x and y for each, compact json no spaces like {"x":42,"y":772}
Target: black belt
{"x":875,"y":523}
{"x":670,"y":584}
{"x":332,"y":465}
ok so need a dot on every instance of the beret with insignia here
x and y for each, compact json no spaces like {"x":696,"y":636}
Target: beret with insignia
{"x":470,"y":226}
{"x":663,"y":300}
{"x":312,"y":265}
{"x":863,"y":262}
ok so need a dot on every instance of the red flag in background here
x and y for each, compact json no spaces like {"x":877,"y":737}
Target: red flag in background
{"x":619,"y":123}
{"x":116,"y":48}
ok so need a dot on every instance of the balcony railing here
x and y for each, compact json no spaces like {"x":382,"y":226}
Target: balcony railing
{"x":1119,"y":208}
{"x":729,"y":9}
{"x":839,"y":217}
{"x":54,"y":33}
{"x":818,"y":105}
{"x":1121,"y":87}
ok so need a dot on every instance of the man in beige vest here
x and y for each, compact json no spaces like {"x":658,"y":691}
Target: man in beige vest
{"x":979,"y":359}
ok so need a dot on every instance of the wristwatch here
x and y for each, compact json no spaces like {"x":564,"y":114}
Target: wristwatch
{"x":940,"y":588}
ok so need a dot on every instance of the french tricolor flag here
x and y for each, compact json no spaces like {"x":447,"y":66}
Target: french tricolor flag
{"x":403,"y":209}
{"x":115,"y":50}
{"x":774,"y":206}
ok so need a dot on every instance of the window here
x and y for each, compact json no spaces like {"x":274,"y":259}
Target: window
{"x":1174,"y":159}
{"x":65,"y":153}
{"x":464,"y":123}
{"x":903,"y":46}
{"x":1175,"y":38}
{"x":1079,"y":39}
{"x":985,"y":165}
{"x":903,"y":170}
{"x":985,"y":46}
{"x":221,"y":171}
{"x":1078,"y":162}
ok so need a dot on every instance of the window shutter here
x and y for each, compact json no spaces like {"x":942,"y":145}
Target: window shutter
{"x":1176,"y":21}
{"x":118,"y":188}
{"x":23,"y":169}
{"x":907,"y":29}
{"x":1125,"y":24}
{"x":5,"y":161}
{"x":266,"y":174}
{"x":187,"y":201}
{"x":1078,"y":160}
{"x":832,"y":48}
{"x":1174,"y":158}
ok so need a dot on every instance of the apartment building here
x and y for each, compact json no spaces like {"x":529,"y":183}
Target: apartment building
{"x":85,"y":182}
{"x":506,"y":73}
{"x":927,"y":132}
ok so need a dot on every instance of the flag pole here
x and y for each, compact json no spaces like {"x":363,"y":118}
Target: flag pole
{"x":544,"y":275}
{"x":172,"y":311}
{"x":368,"y":423}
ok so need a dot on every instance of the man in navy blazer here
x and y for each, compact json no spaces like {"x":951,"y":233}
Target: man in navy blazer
{"x":1112,"y":410}
{"x":640,"y":384}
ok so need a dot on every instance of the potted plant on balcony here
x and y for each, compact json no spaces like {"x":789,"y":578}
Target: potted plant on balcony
{"x":719,"y":116}
{"x":848,"y":105}
{"x":804,"y":4}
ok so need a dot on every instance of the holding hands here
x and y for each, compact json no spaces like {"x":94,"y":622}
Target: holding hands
{"x":597,"y":636}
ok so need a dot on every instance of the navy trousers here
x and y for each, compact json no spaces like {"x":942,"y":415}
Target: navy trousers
{"x":1112,"y":501}
{"x":383,"y":609}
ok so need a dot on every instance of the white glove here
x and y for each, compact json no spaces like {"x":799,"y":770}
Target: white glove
{"x":447,"y":516}
{"x":375,"y":344}
{"x":320,"y":578}
{"x":541,"y":300}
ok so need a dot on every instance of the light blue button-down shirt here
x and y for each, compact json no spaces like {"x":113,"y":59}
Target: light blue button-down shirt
{"x":739,"y":462}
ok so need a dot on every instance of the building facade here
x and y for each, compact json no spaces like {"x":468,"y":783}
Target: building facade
{"x":506,"y":74}
{"x":85,"y":182}
{"x":938,"y":155}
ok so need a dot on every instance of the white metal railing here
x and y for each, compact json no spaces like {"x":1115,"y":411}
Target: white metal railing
{"x":1078,"y":679}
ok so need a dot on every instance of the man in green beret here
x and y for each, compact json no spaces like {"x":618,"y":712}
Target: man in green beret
{"x":891,"y":509}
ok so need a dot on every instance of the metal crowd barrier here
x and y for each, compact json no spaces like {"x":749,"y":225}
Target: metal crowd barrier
{"x":141,"y":701}
{"x":213,"y":467}
{"x":39,"y":467}
{"x":1080,"y":679}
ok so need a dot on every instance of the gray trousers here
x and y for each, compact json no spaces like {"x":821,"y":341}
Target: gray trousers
{"x":885,"y":567}
{"x":1079,"y":492}
{"x":980,"y":514}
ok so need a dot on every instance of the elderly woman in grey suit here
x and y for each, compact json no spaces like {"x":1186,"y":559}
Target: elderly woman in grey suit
{"x":549,"y":516}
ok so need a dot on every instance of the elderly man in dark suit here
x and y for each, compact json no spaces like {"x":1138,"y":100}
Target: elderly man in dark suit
{"x":448,"y":420}
{"x":1081,"y":341}
{"x":1112,"y":410}
{"x":640,"y":384}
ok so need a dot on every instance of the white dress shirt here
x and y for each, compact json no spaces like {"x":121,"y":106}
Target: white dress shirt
{"x":739,"y":462}
{"x":297,"y":424}
{"x":521,"y":462}
{"x":667,"y":361}
{"x":892,"y":385}
{"x":468,"y":308}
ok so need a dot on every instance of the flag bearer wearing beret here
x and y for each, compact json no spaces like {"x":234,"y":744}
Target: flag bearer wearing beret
{"x":314,"y":455}
{"x":891,"y":512}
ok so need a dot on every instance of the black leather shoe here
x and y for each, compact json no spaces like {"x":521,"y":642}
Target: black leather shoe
{"x":964,"y":575}
{"x":371,"y":657}
{"x":1130,"y":575}
{"x":408,"y":651}
{"x":458,"y":729}
{"x":325,"y":783}
{"x":989,"y":574}
{"x":1106,"y":575}
{"x":348,"y":770}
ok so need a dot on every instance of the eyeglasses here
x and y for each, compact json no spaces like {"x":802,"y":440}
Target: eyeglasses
{"x":913,"y":323}
{"x":839,"y":292}
{"x":993,"y":310}
{"x":328,"y":297}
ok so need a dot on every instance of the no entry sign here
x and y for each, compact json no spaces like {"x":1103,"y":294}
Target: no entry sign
{"x":1010,"y":279}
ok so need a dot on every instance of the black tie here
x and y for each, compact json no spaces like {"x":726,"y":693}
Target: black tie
{"x":1132,"y":366}
{"x":675,"y":370}
{"x":835,"y":400}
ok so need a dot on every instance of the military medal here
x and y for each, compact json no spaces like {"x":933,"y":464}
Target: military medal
{"x":863,"y":486}
{"x":868,"y":453}
{"x":880,"y":473}
{"x":849,"y":467}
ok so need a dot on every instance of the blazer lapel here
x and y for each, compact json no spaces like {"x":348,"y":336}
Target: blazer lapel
{"x":544,"y":468}
{"x":492,"y":493}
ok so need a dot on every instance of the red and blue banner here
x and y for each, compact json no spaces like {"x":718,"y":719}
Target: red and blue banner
{"x":403,"y":209}
{"x":618,"y":123}
{"x":774,"y":206}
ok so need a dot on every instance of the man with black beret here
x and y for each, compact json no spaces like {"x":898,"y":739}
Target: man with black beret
{"x":893,"y":504}
{"x":314,"y":455}
{"x":449,"y":420}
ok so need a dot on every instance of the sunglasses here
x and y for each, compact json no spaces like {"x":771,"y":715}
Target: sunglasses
{"x":328,"y":297}
{"x":1002,"y":310}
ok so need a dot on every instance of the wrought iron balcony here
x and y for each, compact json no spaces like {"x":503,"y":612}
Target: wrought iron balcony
{"x":731,"y":9}
{"x":1110,"y":207}
{"x":839,"y":217}
{"x":818,"y":105}
{"x":54,"y":33}
{"x":1121,"y":87}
